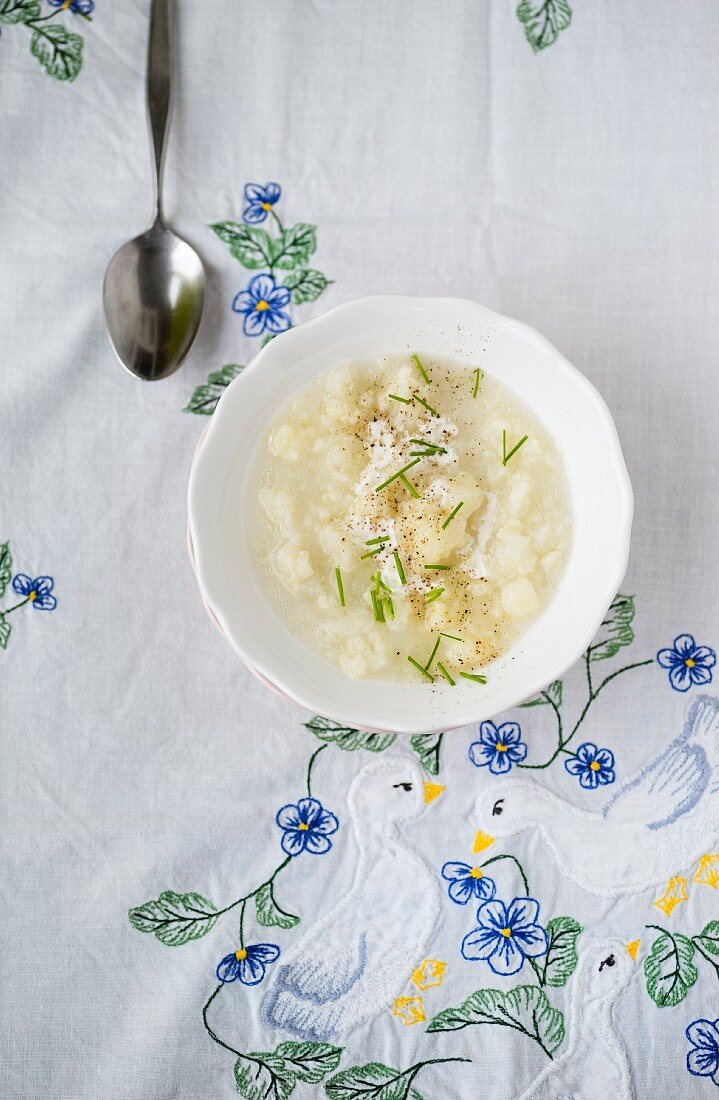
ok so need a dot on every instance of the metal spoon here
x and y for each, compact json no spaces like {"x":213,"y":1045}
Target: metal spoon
{"x":154,"y":287}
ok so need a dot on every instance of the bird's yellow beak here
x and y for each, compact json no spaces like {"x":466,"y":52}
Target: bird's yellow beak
{"x":431,"y":791}
{"x":482,"y":841}
{"x":632,"y":949}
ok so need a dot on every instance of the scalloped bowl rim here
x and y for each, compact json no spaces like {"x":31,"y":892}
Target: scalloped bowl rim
{"x":600,"y":491}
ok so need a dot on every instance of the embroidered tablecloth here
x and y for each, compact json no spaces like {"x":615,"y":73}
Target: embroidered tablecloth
{"x":206,"y":891}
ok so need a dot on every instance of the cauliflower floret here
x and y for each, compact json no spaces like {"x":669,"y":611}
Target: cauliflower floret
{"x":519,"y":598}
{"x":292,"y":563}
{"x":279,"y":508}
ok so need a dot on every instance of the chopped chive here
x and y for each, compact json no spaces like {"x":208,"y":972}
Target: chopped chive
{"x":432,"y":654}
{"x":416,"y":360}
{"x":373,"y":542}
{"x":452,"y":514}
{"x":452,"y":636}
{"x":477,"y":380}
{"x":433,"y":566}
{"x":471,"y":676}
{"x":446,"y":675}
{"x":400,"y":473}
{"x":506,"y":457}
{"x":428,"y":454}
{"x":390,"y":607}
{"x":429,"y":446}
{"x":422,"y":671}
{"x":433,"y":595}
{"x":408,"y":484}
{"x":404,"y":400}
{"x":400,"y":568}
{"x":371,"y":553}
{"x":426,"y":404}
{"x":377,"y":607}
{"x":340,"y":586}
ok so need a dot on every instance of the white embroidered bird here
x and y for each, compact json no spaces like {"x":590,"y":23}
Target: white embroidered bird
{"x":594,"y":1063}
{"x":350,"y":964}
{"x":657,"y":823}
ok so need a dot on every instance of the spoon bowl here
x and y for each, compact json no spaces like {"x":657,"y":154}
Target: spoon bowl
{"x":153,"y":295}
{"x":154,"y":288}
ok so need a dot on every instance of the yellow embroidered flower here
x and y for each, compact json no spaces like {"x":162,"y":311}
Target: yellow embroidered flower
{"x":429,"y":974}
{"x":708,"y":871}
{"x":409,"y":1010}
{"x":675,"y":894}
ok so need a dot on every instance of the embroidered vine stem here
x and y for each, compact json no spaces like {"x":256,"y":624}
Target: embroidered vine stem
{"x":310,"y":766}
{"x":593,"y":693}
{"x":412,"y":1072}
{"x":216,"y":1038}
{"x":496,"y":859}
{"x":15,"y":606}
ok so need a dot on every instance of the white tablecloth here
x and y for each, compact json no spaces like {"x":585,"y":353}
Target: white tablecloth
{"x":436,"y":152}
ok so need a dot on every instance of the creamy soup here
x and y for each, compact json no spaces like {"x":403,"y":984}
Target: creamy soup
{"x":411,"y":518}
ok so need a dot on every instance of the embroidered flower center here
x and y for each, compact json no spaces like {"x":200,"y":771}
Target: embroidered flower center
{"x":594,"y":766}
{"x":500,"y":747}
{"x":66,"y":5}
{"x":507,"y":932}
{"x":32,"y":595}
{"x":241,"y":955}
{"x":476,"y":873}
{"x":689,"y":663}
{"x":303,"y":827}
{"x":262,"y":305}
{"x":266,"y":205}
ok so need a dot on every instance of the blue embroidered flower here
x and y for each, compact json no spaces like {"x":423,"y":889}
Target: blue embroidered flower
{"x":248,"y":964}
{"x":499,"y":747}
{"x":507,"y":935}
{"x":260,"y":201}
{"x":306,"y":827}
{"x":37,"y":591}
{"x":703,"y":1057}
{"x":595,"y":767}
{"x":262,"y":303}
{"x":467,"y":882}
{"x":80,"y":7}
{"x":688,"y":663}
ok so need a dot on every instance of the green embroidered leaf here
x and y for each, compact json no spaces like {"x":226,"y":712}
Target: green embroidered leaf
{"x":543,"y":20}
{"x":5,"y":629}
{"x":58,"y":51}
{"x":372,"y":1081}
{"x":294,"y":246}
{"x":560,"y":962}
{"x":5,"y":567}
{"x":265,"y":1078}
{"x":175,"y":918}
{"x":616,"y":630}
{"x":669,"y":969}
{"x":266,"y":339}
{"x":268,"y":912}
{"x":554,"y":691}
{"x":427,"y":746}
{"x":345,"y":737}
{"x":310,"y":1061}
{"x":204,"y":399}
{"x":709,"y":937}
{"x":19,"y":11}
{"x":248,"y":244}
{"x":306,"y":284}
{"x":525,"y":1008}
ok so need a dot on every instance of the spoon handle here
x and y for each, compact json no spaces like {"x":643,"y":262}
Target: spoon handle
{"x":158,"y":88}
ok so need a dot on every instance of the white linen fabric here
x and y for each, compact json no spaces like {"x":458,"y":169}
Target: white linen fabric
{"x":436,"y":152}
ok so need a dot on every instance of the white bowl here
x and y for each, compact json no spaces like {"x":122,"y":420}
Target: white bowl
{"x":571,"y":410}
